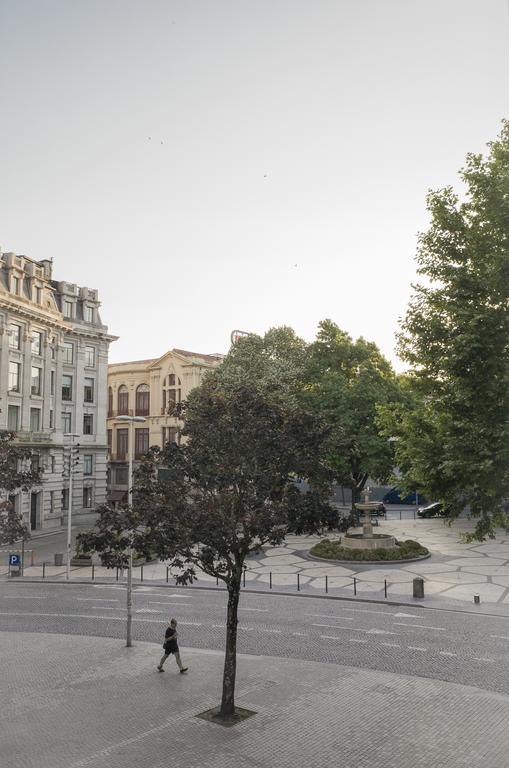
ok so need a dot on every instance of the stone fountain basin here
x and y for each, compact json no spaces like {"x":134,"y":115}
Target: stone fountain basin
{"x":376,"y":541}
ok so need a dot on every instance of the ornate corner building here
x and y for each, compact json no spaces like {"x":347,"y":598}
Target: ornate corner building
{"x":53,"y":388}
{"x":148,"y":389}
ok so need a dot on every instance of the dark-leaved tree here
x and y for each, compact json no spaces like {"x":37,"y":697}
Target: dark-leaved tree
{"x":16,"y":474}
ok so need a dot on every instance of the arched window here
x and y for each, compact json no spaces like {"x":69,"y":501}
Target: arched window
{"x":171,"y":392}
{"x":143,"y":400}
{"x":110,"y":401}
{"x":123,"y":401}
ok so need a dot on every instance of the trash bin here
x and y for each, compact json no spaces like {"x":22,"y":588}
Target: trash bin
{"x":418,"y":587}
{"x":59,"y":558}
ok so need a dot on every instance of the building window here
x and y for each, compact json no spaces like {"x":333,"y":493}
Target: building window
{"x":52,"y":501}
{"x":37,"y":343}
{"x":121,"y":476}
{"x":66,"y":423}
{"x":15,"y":283}
{"x":68,"y":309}
{"x":171,"y":435}
{"x":51,"y":418}
{"x":122,"y":443}
{"x":13,"y":418}
{"x":35,"y":419}
{"x":123,"y":401}
{"x":52,"y":383}
{"x":88,"y":460}
{"x":90,"y":357}
{"x":141,"y":438}
{"x":171,"y":392}
{"x":143,"y":400}
{"x":15,"y":336}
{"x":87,"y":496}
{"x":89,"y":314}
{"x":88,"y":424}
{"x":110,"y":401}
{"x":110,"y":436}
{"x":14,"y":376}
{"x":36,"y":380}
{"x":38,"y":294}
{"x":35,"y":462}
{"x":68,"y":352}
{"x":66,"y":387}
{"x":65,"y":498}
{"x":52,"y":464}
{"x":89,"y":391}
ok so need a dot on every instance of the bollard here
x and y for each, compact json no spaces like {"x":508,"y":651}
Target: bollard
{"x":477,"y":598}
{"x":117,"y":572}
{"x":400,"y":514}
{"x":354,"y":585}
{"x":32,"y":558}
{"x":93,"y":571}
{"x":141,"y":572}
{"x":244,"y":579}
{"x":326,"y":584}
{"x":270,"y":579}
{"x":44,"y":570}
{"x":167,"y":572}
{"x":385,"y":587}
{"x":298,"y":582}
{"x":418,"y":587}
{"x":217,"y":581}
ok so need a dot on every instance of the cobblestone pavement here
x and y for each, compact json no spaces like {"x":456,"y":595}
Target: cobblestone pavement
{"x":454,"y":573}
{"x":72,"y":702}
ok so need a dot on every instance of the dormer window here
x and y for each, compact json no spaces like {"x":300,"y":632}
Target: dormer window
{"x":38,"y":294}
{"x":68,"y":309}
{"x":88,"y":313}
{"x":15,"y":284}
{"x":171,"y":392}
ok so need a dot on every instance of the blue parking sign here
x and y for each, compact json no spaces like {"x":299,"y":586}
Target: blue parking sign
{"x":14,"y":560}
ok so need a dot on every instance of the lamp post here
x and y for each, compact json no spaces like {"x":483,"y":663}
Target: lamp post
{"x":130,"y":420}
{"x":72,"y":460}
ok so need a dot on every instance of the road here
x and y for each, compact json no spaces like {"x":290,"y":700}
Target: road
{"x":445,"y":645}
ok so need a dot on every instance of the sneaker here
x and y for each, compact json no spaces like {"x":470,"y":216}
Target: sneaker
{"x":184,"y":669}
{"x":160,"y":669}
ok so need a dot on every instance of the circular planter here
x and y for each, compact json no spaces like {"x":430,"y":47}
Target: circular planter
{"x":369,"y":562}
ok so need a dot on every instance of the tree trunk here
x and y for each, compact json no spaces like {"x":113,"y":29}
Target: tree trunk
{"x":353,"y":488}
{"x":230,"y":659}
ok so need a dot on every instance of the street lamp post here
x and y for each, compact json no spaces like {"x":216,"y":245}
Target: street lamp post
{"x":130,"y":420}
{"x":72,"y":459}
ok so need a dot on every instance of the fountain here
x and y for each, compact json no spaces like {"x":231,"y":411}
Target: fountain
{"x":367,"y":539}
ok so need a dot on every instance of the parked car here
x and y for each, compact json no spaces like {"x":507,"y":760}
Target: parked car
{"x":397,"y":496}
{"x":432,"y":510}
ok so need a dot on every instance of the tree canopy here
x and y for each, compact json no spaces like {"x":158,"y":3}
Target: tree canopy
{"x":454,"y":438}
{"x":16,"y":474}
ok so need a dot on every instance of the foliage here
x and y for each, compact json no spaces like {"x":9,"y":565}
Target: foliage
{"x":346,"y":382}
{"x":14,"y":475}
{"x":405,"y":550}
{"x":454,"y":436}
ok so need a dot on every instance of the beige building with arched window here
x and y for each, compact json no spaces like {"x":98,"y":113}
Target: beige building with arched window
{"x":148,"y":388}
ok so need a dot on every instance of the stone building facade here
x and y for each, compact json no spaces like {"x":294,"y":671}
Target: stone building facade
{"x":53,"y":387}
{"x":148,"y":388}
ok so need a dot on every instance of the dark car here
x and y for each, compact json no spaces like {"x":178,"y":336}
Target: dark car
{"x":432,"y":510}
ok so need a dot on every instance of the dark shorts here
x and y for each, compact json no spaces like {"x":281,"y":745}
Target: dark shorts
{"x":170,"y":649}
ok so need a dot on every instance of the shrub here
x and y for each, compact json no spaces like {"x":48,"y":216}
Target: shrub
{"x":405,"y":550}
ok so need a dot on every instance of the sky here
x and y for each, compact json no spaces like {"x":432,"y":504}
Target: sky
{"x":213,"y":165}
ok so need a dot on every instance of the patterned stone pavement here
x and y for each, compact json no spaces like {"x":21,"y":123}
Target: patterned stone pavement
{"x":455,"y":571}
{"x":84,"y":702}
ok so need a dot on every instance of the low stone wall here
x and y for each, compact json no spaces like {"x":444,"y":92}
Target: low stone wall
{"x":378,"y":541}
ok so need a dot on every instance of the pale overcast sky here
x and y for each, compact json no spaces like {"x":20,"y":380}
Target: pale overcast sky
{"x":220,"y":164}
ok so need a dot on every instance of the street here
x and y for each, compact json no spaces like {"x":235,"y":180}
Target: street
{"x":439,"y":644}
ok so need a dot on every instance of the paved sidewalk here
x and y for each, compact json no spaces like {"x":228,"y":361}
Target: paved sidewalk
{"x":73,"y":702}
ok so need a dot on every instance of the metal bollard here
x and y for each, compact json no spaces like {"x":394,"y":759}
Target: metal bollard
{"x":270,"y":579}
{"x":354,"y":585}
{"x":298,"y":582}
{"x":44,"y":570}
{"x":244,"y":579}
{"x":400,"y":514}
{"x":477,"y":599}
{"x":418,"y":587}
{"x":217,"y":581}
{"x":141,"y":572}
{"x":117,"y":572}
{"x":167,"y":572}
{"x":93,"y":571}
{"x":326,"y":584}
{"x":385,"y":587}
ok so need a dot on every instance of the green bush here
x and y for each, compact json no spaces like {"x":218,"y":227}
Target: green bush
{"x":405,"y":550}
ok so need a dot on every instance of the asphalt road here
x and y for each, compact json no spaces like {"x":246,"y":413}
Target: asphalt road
{"x":445,"y":645}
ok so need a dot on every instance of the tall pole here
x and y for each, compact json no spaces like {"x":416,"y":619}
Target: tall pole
{"x":130,"y":551}
{"x":69,"y":516}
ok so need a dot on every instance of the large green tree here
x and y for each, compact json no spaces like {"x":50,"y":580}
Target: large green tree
{"x":454,"y":435}
{"x":227,"y":490}
{"x":346,"y":382}
{"x":16,"y":474}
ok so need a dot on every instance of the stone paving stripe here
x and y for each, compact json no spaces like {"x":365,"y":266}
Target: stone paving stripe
{"x":330,"y":637}
{"x":415,"y":648}
{"x":420,"y":626}
{"x":500,"y":637}
{"x":27,"y":597}
{"x":165,"y":602}
{"x":332,"y":626}
{"x":481,"y":658}
{"x":328,"y":616}
{"x":259,"y":610}
{"x":98,"y":599}
{"x":391,"y":645}
{"x":448,"y":653}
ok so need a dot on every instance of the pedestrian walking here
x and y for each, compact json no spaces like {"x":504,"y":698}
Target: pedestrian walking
{"x":170,"y":646}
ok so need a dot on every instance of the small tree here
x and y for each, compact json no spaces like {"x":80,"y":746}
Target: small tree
{"x":228,"y":491}
{"x":14,"y":476}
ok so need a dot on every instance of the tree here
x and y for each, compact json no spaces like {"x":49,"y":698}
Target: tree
{"x":228,"y":490}
{"x":15,"y":474}
{"x":346,"y":382}
{"x":454,"y":436}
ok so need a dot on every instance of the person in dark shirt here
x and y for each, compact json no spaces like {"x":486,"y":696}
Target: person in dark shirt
{"x":170,"y":646}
